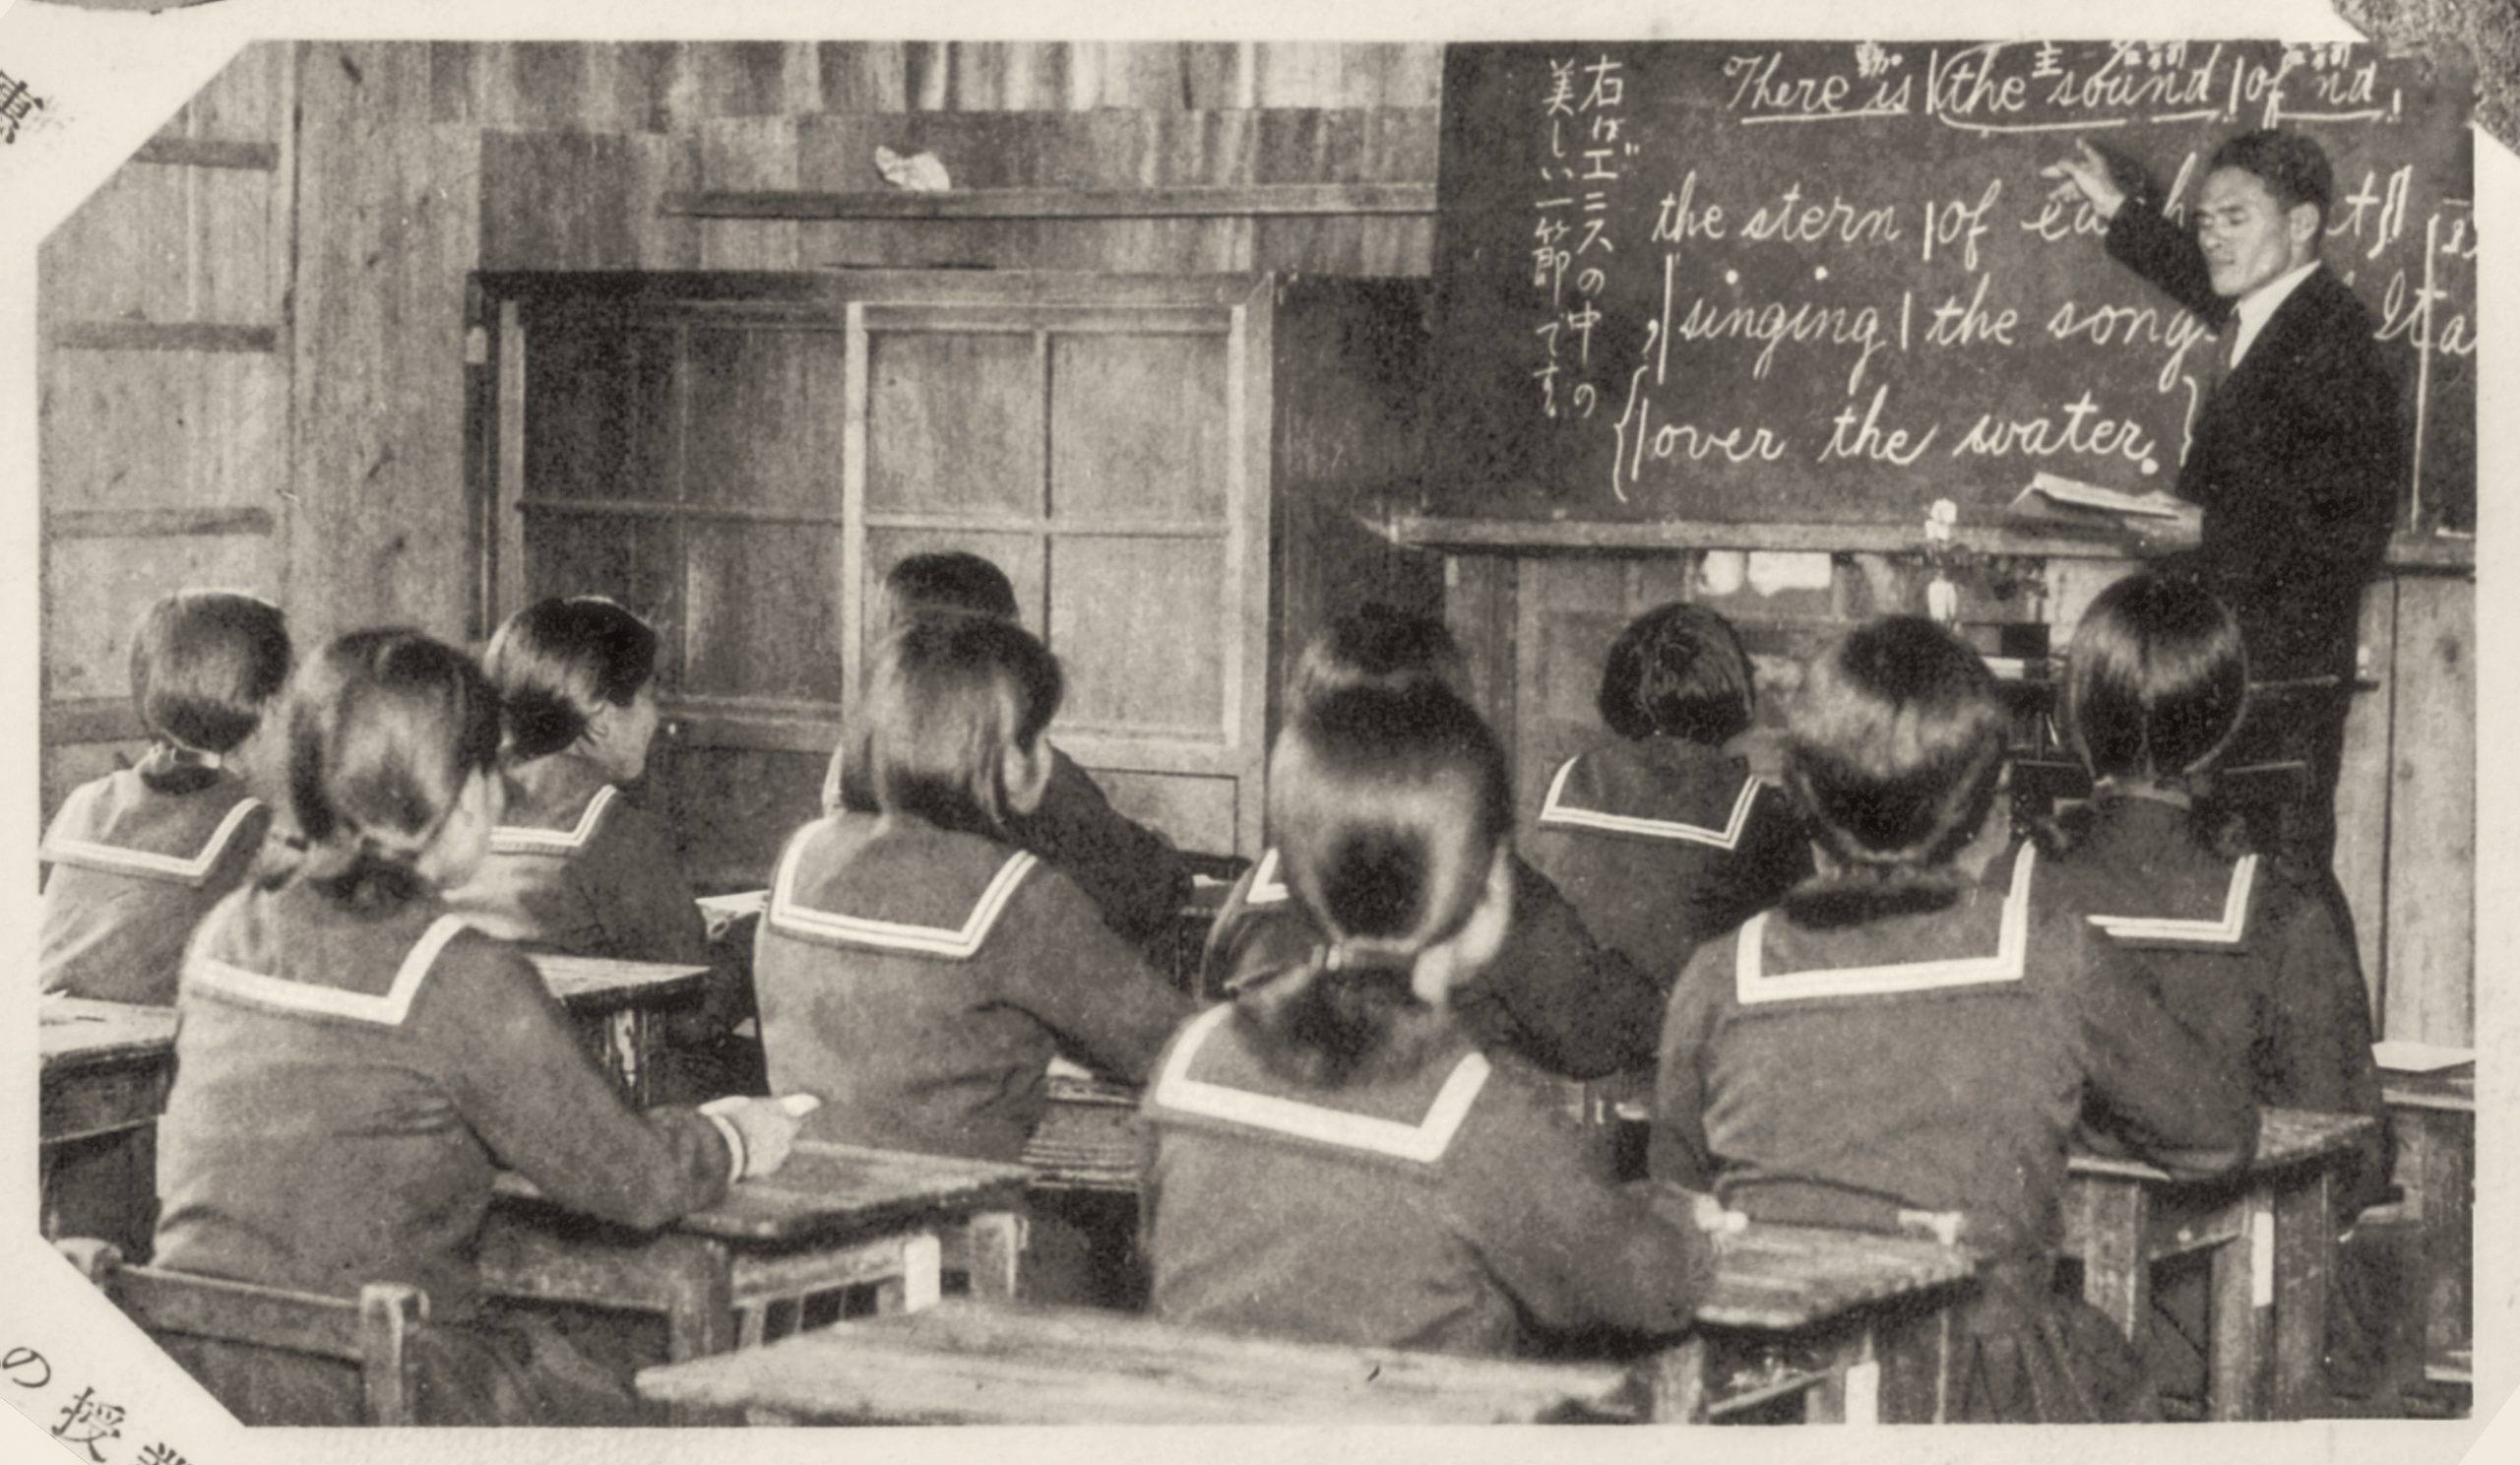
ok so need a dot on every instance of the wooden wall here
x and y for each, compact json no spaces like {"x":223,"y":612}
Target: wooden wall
{"x":255,"y":368}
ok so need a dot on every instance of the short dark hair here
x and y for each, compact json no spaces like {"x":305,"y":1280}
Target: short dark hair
{"x":946,"y":697}
{"x":2155,"y":678}
{"x":954,"y":580}
{"x":557,"y":662}
{"x":2293,"y":166}
{"x":1378,"y":644}
{"x":1678,"y":671}
{"x":204,"y":663}
{"x":1388,"y":805}
{"x":384,"y":727}
{"x":1893,"y":749}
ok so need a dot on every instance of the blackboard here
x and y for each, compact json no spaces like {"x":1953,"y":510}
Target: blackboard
{"x":1824,"y":283}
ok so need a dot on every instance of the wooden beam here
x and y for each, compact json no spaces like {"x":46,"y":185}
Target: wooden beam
{"x":1199,"y":201}
{"x":172,"y":336}
{"x":210,"y":153}
{"x":135,"y":524}
{"x":2419,"y":552}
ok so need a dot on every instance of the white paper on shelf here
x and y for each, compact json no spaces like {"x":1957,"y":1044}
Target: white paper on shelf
{"x":2406,"y":1055}
{"x":2092,"y":496}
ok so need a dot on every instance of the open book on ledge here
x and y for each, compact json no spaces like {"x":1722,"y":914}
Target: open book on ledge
{"x":2046,"y":491}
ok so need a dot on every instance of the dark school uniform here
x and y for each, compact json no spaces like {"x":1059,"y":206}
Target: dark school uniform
{"x":1440,"y":1203}
{"x":1936,"y":1064}
{"x":1554,"y":999}
{"x":138,"y":857}
{"x":920,"y":980}
{"x":575,"y":866}
{"x":2250,"y":961}
{"x":347,"y":1086}
{"x":1133,"y":874}
{"x":1661,"y":844}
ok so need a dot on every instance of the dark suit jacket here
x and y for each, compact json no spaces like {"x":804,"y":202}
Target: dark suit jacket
{"x":2295,"y":457}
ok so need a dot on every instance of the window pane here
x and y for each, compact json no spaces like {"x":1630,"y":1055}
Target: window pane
{"x":1140,"y":625}
{"x":599,"y":408}
{"x":1138,"y":425}
{"x":954,"y":423}
{"x":765,"y":612}
{"x":766,"y":411}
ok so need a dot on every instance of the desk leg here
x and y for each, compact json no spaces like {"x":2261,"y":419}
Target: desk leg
{"x":1849,"y":1389}
{"x":2445,"y":1160}
{"x":994,"y":1254}
{"x":700,"y":1313}
{"x":1914,"y":1355}
{"x":2305,"y":1259}
{"x":1675,"y":1382}
{"x":2117,"y":1279}
{"x":2243,"y":1288}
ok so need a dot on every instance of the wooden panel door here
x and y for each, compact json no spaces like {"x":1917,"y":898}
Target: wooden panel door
{"x":1102,"y":455}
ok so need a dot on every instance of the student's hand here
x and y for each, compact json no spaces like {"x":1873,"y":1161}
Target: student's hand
{"x":2087,"y":174}
{"x":1678,"y":1205}
{"x":768,"y":1126}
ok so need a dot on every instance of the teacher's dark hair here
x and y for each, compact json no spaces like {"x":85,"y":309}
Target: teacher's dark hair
{"x":2293,"y":167}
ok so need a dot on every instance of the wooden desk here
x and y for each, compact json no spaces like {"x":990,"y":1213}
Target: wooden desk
{"x":2434,"y":1115}
{"x":832,"y":1217}
{"x":619,"y":998}
{"x":2271,"y":1233}
{"x":970,"y":1364}
{"x":105,"y":1069}
{"x":1854,"y":1303}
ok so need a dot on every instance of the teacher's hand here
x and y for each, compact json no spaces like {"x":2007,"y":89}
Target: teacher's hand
{"x":2087,"y":174}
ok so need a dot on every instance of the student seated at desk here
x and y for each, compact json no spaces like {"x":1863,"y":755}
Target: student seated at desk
{"x":1556,"y":998}
{"x":355,"y":1063}
{"x":1333,"y":1158}
{"x":917,"y":969}
{"x":1133,"y":874}
{"x":1663,"y":840}
{"x":574,"y":865}
{"x":1898,"y":1041}
{"x":2248,"y":955}
{"x":139,"y":856}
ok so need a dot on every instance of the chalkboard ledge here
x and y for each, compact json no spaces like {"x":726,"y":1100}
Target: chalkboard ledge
{"x":2407,"y":551}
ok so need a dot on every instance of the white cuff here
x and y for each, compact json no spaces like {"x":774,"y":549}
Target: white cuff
{"x":735,"y":1144}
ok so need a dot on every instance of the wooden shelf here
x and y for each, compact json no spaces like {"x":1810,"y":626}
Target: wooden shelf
{"x":1195,"y":201}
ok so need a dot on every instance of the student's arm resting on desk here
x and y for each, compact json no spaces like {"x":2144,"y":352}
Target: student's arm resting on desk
{"x":2148,"y":1082}
{"x":1575,"y":1250}
{"x":1083,"y":982}
{"x":1677,"y":1148}
{"x":521,"y":1080}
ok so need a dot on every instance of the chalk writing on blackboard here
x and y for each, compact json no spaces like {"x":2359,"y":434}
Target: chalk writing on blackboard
{"x":1825,"y":281}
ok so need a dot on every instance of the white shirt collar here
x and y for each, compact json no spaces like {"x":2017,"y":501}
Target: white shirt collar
{"x":2251,"y":311}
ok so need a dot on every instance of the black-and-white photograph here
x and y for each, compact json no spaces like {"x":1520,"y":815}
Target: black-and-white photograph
{"x":1766,"y":720}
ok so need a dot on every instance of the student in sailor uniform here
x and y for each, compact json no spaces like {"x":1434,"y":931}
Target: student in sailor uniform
{"x":1662,"y":840}
{"x":2249,"y":958}
{"x":1556,"y":998}
{"x":574,"y":865}
{"x":918,"y":970}
{"x":1897,"y":1044}
{"x":1331,"y":1157}
{"x":140,"y":855}
{"x":1134,"y":875}
{"x":355,"y":1063}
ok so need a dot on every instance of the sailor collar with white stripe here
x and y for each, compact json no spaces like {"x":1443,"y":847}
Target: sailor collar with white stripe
{"x":2007,"y":963}
{"x":1421,"y":1142}
{"x":147,"y":865}
{"x":517,"y":839}
{"x":793,"y":917}
{"x":1267,"y":887}
{"x":1558,"y":812}
{"x":385,"y":1009}
{"x":2227,"y":928}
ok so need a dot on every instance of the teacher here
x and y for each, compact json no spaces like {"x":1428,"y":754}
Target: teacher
{"x":2296,"y":449}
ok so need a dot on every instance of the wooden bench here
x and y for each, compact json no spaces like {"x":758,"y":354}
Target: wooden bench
{"x":374,"y":1332}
